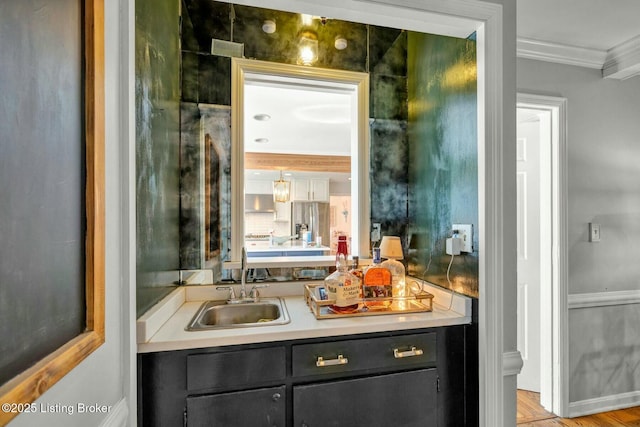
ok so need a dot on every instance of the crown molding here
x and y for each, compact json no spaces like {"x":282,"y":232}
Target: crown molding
{"x":623,"y":61}
{"x":559,"y":53}
{"x":620,"y":62}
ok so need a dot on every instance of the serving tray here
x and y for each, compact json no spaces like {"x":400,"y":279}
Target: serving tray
{"x":321,"y":308}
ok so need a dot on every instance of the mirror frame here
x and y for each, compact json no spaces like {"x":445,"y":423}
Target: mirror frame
{"x":240,"y":68}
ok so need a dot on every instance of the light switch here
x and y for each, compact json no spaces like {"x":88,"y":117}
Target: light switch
{"x":594,"y":232}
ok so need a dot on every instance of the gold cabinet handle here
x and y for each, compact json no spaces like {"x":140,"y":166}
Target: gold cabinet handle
{"x":340,"y":360}
{"x":408,"y":353}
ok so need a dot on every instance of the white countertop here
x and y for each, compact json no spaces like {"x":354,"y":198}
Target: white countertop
{"x":162,"y":328}
{"x":283,"y":248}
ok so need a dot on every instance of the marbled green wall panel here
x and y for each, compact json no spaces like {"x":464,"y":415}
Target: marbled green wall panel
{"x":206,"y":81}
{"x":443,"y":171}
{"x":422,"y":127}
{"x":157,"y":63}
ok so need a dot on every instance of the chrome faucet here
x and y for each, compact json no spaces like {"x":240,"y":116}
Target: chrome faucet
{"x":243,"y":275}
{"x":254,"y":295}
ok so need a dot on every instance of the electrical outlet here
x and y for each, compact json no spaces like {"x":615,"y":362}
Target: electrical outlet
{"x":375,"y":232}
{"x":453,"y":246}
{"x":465,"y":233}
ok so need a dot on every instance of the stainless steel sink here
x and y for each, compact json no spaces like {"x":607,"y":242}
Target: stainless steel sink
{"x":219,"y":314}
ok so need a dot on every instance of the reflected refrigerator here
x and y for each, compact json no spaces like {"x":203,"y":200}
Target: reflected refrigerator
{"x":315,"y":215}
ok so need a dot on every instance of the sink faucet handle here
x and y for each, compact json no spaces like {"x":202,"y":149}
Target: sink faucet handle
{"x":232,"y":292}
{"x":254,"y":294}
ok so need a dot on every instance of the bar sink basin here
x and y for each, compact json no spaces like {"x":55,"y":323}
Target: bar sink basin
{"x":220,"y":315}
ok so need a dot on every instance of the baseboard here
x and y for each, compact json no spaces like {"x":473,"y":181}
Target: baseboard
{"x":118,"y":415}
{"x":604,"y":404}
{"x":511,"y":363}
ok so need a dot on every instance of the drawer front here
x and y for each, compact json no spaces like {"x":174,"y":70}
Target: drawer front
{"x":235,"y":368}
{"x":397,"y":352}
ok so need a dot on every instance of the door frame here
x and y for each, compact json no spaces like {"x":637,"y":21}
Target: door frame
{"x":496,"y":86}
{"x":554,"y":301}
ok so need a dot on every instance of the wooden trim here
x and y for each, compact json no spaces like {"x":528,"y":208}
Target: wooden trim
{"x":297,"y":162}
{"x":94,"y":119}
{"x":33,"y":382}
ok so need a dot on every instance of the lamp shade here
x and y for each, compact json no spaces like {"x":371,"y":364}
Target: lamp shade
{"x":281,"y":189}
{"x":391,"y":247}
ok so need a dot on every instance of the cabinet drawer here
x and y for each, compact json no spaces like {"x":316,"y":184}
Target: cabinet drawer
{"x":416,"y":350}
{"x":235,"y":368}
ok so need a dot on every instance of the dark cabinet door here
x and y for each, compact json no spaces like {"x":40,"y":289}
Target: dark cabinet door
{"x":257,"y":408}
{"x":407,"y":399}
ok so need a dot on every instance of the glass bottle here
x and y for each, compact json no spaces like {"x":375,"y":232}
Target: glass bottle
{"x":343,"y":287}
{"x":377,"y":283}
{"x":356,"y":270}
{"x":342,"y":247}
{"x":398,"y":278}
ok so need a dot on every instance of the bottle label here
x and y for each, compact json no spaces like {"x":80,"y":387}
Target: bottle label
{"x":378,"y":277}
{"x":345,"y":293}
{"x":377,"y":283}
{"x":382,"y":291}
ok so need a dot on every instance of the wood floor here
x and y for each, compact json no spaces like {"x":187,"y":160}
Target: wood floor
{"x":531,"y":414}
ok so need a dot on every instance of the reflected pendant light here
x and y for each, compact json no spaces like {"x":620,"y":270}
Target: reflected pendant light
{"x":308,"y":48}
{"x":281,"y":190}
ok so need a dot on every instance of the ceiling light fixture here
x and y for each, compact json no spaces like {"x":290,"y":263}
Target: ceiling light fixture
{"x":269,"y":26}
{"x":308,"y":48}
{"x":281,"y":190}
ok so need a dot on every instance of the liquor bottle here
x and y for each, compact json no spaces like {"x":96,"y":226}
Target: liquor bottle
{"x":377,"y":283}
{"x":391,"y":249}
{"x":357,"y":271}
{"x":343,"y":287}
{"x":342,"y":247}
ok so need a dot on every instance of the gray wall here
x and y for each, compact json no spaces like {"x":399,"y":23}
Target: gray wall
{"x":104,"y":376}
{"x":603,"y":187}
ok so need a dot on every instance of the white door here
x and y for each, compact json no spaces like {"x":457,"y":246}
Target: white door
{"x":528,"y":200}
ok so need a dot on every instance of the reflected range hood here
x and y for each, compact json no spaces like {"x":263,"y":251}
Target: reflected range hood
{"x":259,"y":203}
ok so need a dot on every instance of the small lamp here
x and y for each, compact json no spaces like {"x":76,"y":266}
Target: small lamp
{"x":391,"y":249}
{"x":281,"y":190}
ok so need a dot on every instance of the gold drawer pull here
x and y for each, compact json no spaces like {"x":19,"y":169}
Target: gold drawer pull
{"x":409,"y":353}
{"x":339,"y":361}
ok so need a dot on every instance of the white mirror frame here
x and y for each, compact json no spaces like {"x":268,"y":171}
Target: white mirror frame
{"x":240,"y":70}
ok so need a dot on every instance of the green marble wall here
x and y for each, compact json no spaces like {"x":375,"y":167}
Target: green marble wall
{"x":443,"y":171}
{"x":157,"y":149}
{"x":422,"y":122}
{"x":206,"y":81}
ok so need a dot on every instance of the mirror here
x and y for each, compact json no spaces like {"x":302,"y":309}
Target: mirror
{"x":338,"y":113}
